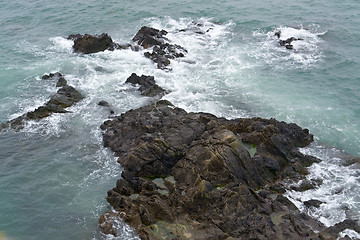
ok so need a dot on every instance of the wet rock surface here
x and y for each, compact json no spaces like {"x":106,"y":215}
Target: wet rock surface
{"x":162,"y":50}
{"x":196,"y":176}
{"x":92,"y":43}
{"x":149,"y":37}
{"x":313,"y":203}
{"x":148,"y":86}
{"x":65,"y":97}
{"x":61,"y":82}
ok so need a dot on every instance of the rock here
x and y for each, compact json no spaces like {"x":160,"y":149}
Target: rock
{"x":333,"y":231}
{"x":148,"y":87}
{"x":107,"y":105}
{"x":162,"y":54}
{"x":61,"y":82}
{"x":92,"y":43}
{"x":278,"y":33}
{"x":65,"y":97}
{"x":107,"y":222}
{"x":306,"y":185}
{"x":162,"y":51}
{"x":149,"y":37}
{"x":104,"y":103}
{"x":74,"y":36}
{"x":313,"y":203}
{"x":287,"y":43}
{"x":196,"y":176}
{"x":52,"y":75}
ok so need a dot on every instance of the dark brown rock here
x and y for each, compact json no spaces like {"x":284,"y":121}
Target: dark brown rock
{"x":92,"y":43}
{"x":104,"y":103}
{"x":149,"y":37}
{"x":65,"y":97}
{"x":61,"y":82}
{"x":107,"y":222}
{"x":313,"y":203}
{"x":52,"y":75}
{"x":162,"y":50}
{"x":196,"y":176}
{"x":278,"y":33}
{"x":162,"y":54}
{"x":148,"y":87}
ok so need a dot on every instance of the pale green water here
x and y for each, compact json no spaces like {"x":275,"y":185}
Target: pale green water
{"x":54,"y":174}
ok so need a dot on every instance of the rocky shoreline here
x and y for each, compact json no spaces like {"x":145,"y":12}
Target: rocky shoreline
{"x":194,"y":175}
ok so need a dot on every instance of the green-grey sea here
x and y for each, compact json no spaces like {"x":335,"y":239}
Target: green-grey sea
{"x":55,"y":173}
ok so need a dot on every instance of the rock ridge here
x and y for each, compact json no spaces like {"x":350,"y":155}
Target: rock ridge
{"x":65,"y":97}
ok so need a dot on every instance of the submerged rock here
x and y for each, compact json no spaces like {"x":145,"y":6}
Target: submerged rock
{"x":65,"y":97}
{"x":196,"y":176}
{"x":104,"y":103}
{"x":148,"y":87}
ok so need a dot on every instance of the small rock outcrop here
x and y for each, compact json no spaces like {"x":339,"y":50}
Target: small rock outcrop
{"x":146,"y":37}
{"x":148,"y":87}
{"x":196,"y":176}
{"x":92,"y":43}
{"x":149,"y":37}
{"x":286,"y":43}
{"x":162,"y":50}
{"x":51,"y":75}
{"x":65,"y":97}
{"x":61,"y":82}
{"x":105,"y":104}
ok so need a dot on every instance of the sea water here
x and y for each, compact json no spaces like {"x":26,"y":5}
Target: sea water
{"x":54,"y":174}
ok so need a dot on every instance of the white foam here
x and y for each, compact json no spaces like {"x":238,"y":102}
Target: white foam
{"x":306,"y":53}
{"x":61,"y":44}
{"x":339,"y":190}
{"x":124,"y":230}
{"x":350,"y":233}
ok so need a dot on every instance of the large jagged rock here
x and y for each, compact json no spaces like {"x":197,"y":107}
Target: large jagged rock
{"x":149,"y":37}
{"x":148,"y":87}
{"x":162,"y":50}
{"x":196,"y":176}
{"x":64,"y":98}
{"x":92,"y":43}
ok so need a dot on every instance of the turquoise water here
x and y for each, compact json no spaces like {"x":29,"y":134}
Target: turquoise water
{"x":54,"y":174}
